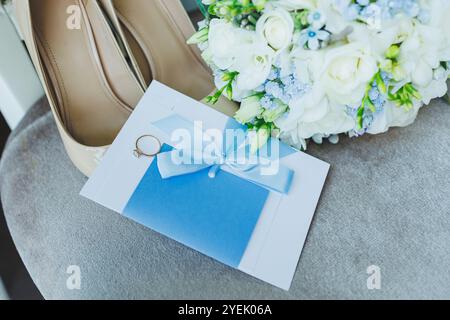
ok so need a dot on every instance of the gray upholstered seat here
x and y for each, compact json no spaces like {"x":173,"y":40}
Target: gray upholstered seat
{"x":386,"y":203}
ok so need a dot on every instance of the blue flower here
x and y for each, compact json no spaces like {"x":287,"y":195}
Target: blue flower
{"x":274,"y":74}
{"x":313,"y":39}
{"x":391,"y":8}
{"x":378,"y":100}
{"x":282,"y":90}
{"x":268,"y":102}
{"x":363,"y":2}
{"x":381,"y":9}
{"x":374,"y":94}
{"x":274,"y":89}
{"x":317,"y":20}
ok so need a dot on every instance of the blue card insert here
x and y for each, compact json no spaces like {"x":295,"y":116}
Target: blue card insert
{"x":213,"y":216}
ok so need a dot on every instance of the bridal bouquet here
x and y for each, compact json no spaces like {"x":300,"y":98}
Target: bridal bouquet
{"x":313,"y":69}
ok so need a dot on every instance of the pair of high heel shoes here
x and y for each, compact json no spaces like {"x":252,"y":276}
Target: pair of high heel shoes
{"x":96,"y":58}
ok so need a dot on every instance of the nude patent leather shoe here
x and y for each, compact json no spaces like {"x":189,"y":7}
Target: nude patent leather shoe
{"x":156,"y":32}
{"x":89,"y":83}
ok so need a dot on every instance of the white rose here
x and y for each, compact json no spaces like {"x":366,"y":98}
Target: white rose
{"x":254,"y":63}
{"x":224,"y":41}
{"x":296,"y":4}
{"x":314,"y":114}
{"x":277,"y":27}
{"x":347,"y":71}
{"x":249,"y":109}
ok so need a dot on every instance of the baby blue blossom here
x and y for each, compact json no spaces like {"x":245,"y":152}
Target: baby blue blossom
{"x":374,"y":94}
{"x":268,"y":102}
{"x":274,"y":89}
{"x":378,"y":99}
{"x":274,"y":74}
{"x":282,"y":91}
{"x":317,"y":20}
{"x":371,"y":13}
{"x":313,"y":39}
{"x":381,"y":9}
{"x":391,"y":8}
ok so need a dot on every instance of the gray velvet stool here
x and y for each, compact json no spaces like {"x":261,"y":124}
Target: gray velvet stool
{"x":386,"y":203}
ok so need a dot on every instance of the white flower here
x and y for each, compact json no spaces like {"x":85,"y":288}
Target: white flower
{"x":335,"y":21}
{"x":276,"y":27}
{"x":439,"y":13}
{"x":234,"y":49}
{"x":296,"y":4}
{"x":225,"y":41}
{"x":437,"y":88}
{"x":379,"y":41}
{"x":394,"y":116}
{"x":347,"y":71}
{"x":420,"y":55}
{"x":335,"y":58}
{"x":313,"y":114}
{"x":283,"y":61}
{"x":308,"y":64}
{"x":238,"y":94}
{"x":249,"y":109}
{"x":401,"y":27}
{"x":274,"y":114}
{"x":436,"y":12}
{"x":258,"y":139}
{"x":254,"y":63}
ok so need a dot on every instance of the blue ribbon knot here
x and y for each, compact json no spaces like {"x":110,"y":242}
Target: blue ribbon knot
{"x":236,"y":158}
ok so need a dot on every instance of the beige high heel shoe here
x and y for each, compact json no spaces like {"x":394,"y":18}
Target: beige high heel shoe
{"x":90,"y":86}
{"x":156,"y":32}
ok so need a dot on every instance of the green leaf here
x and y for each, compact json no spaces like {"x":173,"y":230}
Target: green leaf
{"x":199,"y":37}
{"x":380,"y":83}
{"x":203,"y":9}
{"x":212,"y":10}
{"x":413,"y":91}
{"x":230,"y":91}
{"x":360,"y":117}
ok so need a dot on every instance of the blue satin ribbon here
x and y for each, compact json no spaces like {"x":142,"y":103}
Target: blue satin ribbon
{"x":232,"y":158}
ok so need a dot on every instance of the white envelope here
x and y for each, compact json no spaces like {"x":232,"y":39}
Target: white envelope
{"x":276,"y":243}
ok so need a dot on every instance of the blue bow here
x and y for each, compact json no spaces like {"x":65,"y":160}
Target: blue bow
{"x":234,"y":155}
